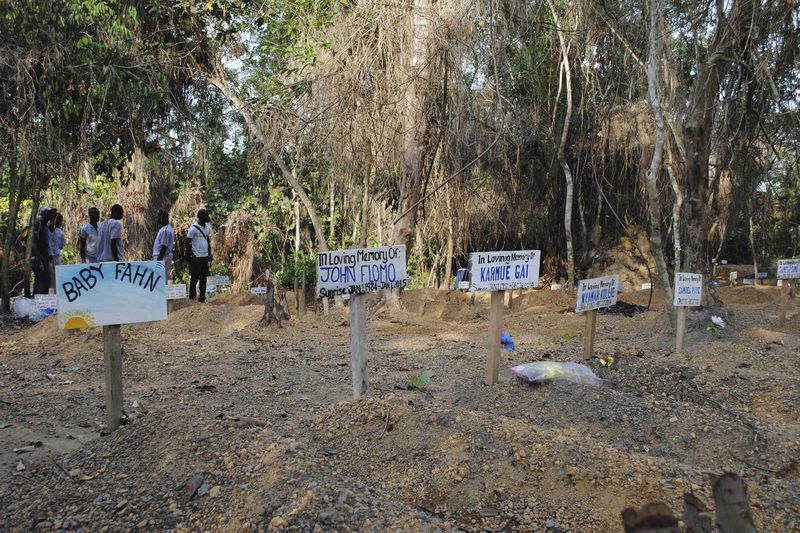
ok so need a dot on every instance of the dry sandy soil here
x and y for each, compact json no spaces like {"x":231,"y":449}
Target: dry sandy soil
{"x":261,"y":420}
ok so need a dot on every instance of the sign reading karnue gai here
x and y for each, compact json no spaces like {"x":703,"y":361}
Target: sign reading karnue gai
{"x":500,"y":271}
{"x":688,"y":289}
{"x":103,"y":294}
{"x":788,"y":269}
{"x":361,"y":270}
{"x":596,"y":293}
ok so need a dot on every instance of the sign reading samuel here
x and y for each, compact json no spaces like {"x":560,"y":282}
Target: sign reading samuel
{"x":595,"y":293}
{"x":788,"y":268}
{"x":500,"y":271}
{"x":110,"y":293}
{"x":361,"y":270}
{"x":688,"y":289}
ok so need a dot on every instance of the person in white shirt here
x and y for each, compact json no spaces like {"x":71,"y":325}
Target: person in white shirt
{"x":109,"y":237}
{"x":87,"y":237}
{"x":165,"y":240}
{"x":199,"y":235}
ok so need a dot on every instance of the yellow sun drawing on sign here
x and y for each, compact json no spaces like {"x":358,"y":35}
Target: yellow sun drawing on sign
{"x":78,"y":319}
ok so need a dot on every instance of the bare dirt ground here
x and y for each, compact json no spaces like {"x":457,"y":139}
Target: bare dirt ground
{"x":262,"y":422}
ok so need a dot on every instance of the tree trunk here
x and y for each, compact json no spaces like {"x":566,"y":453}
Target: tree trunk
{"x":15,"y":182}
{"x":448,"y":265}
{"x":651,"y":179}
{"x":297,"y":254}
{"x":752,"y":241}
{"x":730,"y":35}
{"x":568,"y":201}
{"x":416,"y":132}
{"x":268,"y":153}
{"x":365,"y":198}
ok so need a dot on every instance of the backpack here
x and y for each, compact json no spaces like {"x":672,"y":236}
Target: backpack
{"x":22,"y":240}
{"x":188,"y":254}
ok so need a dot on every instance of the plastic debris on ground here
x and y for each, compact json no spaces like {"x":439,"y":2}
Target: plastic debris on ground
{"x":718,"y":321}
{"x":544,"y":371}
{"x":507,"y":342}
{"x":25,"y":308}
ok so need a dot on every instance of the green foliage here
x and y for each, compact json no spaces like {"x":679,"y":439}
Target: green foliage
{"x":420,"y":382}
{"x":296,"y":268}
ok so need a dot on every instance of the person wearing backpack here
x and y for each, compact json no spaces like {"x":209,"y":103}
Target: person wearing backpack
{"x":199,"y":250}
{"x":165,"y":240}
{"x":87,"y":237}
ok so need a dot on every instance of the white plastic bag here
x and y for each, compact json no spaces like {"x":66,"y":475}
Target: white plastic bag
{"x":543,"y":371}
{"x":24,"y":308}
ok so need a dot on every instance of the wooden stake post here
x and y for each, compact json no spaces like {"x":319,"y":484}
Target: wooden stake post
{"x":495,"y":325}
{"x":111,"y":282}
{"x":588,"y":334}
{"x":688,"y":293}
{"x":784,"y":305}
{"x":788,"y":272}
{"x":680,"y":329}
{"x":594,"y":294}
{"x":357,"y":271}
{"x":501,"y":273}
{"x":359,"y":346}
{"x":112,"y":354}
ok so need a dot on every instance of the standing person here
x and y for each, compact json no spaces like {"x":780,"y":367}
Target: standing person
{"x":198,"y":236}
{"x":109,"y":236}
{"x":87,"y":237}
{"x":40,"y":254}
{"x":56,"y":245}
{"x":165,"y":240}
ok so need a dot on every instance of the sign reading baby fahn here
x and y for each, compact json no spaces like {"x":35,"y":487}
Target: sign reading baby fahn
{"x":110,"y":293}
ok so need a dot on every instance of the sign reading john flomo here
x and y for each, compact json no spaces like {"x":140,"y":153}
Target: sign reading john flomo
{"x":501,"y":271}
{"x":361,"y":270}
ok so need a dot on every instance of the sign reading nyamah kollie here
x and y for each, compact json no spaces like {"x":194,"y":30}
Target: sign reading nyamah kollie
{"x":788,"y":269}
{"x":596,"y":293}
{"x":361,"y":270}
{"x":688,"y":289}
{"x":500,"y":271}
{"x":102,"y":294}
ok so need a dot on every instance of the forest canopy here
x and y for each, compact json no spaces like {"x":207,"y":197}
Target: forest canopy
{"x":452,"y":126}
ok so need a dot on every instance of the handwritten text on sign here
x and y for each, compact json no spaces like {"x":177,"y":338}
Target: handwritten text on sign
{"x":595,"y":293}
{"x":176,"y":291}
{"x":110,"y":293}
{"x":688,"y":289}
{"x":788,"y":268}
{"x":45,"y":301}
{"x":361,"y":270}
{"x":500,"y":271}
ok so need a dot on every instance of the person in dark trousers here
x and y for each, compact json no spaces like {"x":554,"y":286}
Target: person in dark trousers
{"x":87,"y":237}
{"x":40,"y":253}
{"x":165,"y":241}
{"x":109,"y":236}
{"x":199,"y":236}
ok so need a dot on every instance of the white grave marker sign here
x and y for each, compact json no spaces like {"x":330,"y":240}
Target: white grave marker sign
{"x":733,"y":276}
{"x":45,"y":301}
{"x":217,"y":281}
{"x":688,"y":289}
{"x":258,"y":290}
{"x":500,"y":271}
{"x":361,"y":270}
{"x":596,"y":293}
{"x":110,"y":293}
{"x":177,"y":291}
{"x":789,"y":269}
